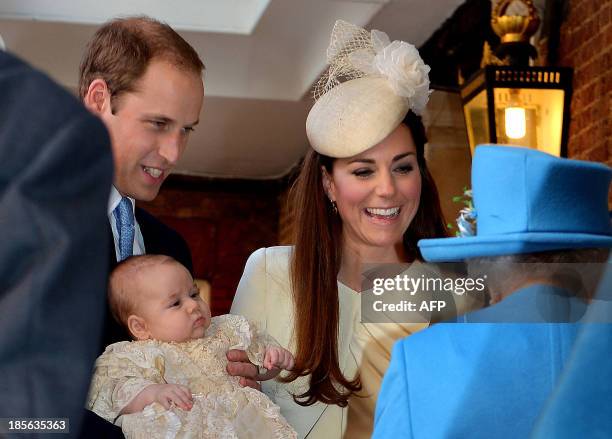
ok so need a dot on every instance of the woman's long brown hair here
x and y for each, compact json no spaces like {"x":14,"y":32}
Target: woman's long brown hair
{"x":315,"y":264}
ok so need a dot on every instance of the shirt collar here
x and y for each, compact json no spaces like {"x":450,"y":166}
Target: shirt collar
{"x":114,"y":199}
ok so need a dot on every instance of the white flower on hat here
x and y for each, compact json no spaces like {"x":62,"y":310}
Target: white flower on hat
{"x":400,"y":63}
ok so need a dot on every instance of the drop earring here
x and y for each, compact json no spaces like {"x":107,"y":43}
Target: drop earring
{"x":334,"y":207}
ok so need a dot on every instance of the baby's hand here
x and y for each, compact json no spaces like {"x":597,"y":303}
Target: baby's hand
{"x":278,"y":358}
{"x":166,"y":394}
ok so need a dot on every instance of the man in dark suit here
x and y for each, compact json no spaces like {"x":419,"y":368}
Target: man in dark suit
{"x":54,"y":183}
{"x":145,"y":82}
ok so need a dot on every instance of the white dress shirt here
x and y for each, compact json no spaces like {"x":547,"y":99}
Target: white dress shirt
{"x":113,"y":201}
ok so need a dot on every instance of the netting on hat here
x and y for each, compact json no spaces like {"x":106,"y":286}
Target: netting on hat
{"x":346,"y":39}
{"x":354,"y":52}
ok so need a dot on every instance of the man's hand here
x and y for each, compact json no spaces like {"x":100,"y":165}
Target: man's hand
{"x":240,"y":366}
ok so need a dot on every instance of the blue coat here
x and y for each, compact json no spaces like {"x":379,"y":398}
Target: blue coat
{"x":581,"y":405}
{"x":474,"y":380}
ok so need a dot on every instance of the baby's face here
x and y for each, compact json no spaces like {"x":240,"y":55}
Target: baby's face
{"x":171,"y":305}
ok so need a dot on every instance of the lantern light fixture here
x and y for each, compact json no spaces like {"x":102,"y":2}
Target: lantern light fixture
{"x":510,"y":102}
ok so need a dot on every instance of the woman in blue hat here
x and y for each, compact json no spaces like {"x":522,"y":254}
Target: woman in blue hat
{"x":490,"y":375}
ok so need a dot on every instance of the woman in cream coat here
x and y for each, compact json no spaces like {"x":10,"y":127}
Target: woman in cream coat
{"x":364,"y":195}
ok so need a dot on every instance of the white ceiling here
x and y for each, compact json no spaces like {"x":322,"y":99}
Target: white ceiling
{"x":228,"y":16}
{"x":261,"y":57}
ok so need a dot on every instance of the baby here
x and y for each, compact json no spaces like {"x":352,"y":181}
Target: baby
{"x":171,"y":381}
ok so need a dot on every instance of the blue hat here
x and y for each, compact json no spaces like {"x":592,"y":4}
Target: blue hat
{"x":527,"y":201}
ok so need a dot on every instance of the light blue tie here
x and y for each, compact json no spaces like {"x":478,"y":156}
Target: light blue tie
{"x":124,"y":216}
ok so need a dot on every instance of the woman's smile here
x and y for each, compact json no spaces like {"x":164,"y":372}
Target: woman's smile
{"x":386,"y":215}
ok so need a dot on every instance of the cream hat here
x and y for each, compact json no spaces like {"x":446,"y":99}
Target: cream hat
{"x":369,"y":87}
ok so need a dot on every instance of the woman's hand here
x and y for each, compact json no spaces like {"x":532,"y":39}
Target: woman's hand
{"x":240,"y":366}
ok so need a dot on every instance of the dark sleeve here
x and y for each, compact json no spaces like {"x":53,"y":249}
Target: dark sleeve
{"x":113,"y":331}
{"x":54,"y":185}
{"x":160,"y":239}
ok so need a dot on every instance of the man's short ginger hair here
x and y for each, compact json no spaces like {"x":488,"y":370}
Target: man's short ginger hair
{"x":123,"y":290}
{"x":121,"y":50}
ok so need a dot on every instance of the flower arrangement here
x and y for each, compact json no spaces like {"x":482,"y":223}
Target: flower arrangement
{"x":466,"y":221}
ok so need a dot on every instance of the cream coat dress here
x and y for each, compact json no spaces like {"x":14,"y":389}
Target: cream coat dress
{"x":264,"y":297}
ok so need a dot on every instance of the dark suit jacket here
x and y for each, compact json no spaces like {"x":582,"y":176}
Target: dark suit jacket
{"x":158,"y":239}
{"x":54,"y":185}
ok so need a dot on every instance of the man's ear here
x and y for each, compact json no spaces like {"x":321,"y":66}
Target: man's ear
{"x":138,"y":327}
{"x":97,"y":98}
{"x":328,"y":184}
